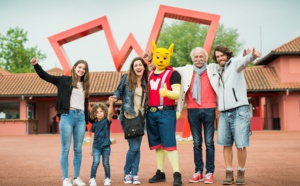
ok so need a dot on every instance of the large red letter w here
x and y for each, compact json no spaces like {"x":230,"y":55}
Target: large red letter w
{"x":120,"y":56}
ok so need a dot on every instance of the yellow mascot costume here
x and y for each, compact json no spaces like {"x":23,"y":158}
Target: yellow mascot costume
{"x":163,"y":89}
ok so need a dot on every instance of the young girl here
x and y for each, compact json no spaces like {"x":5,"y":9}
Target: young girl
{"x":101,"y":117}
{"x":72,"y":109}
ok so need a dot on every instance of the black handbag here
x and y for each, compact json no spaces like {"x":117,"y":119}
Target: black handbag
{"x":134,"y":127}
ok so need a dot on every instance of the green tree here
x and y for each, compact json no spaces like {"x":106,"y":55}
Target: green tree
{"x":187,"y":35}
{"x":14,"y":56}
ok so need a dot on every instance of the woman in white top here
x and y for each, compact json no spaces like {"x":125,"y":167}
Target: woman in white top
{"x":72,"y":109}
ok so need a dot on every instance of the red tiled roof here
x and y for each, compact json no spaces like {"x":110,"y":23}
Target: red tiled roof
{"x":25,"y":84}
{"x":4,"y":72}
{"x":55,"y":71}
{"x":102,"y":83}
{"x":264,"y":78}
{"x":258,"y":78}
{"x":290,"y":48}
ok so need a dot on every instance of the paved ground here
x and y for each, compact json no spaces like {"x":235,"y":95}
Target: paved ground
{"x":273,"y":160}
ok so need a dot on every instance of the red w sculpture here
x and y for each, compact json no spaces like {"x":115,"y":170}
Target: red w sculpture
{"x":120,"y":56}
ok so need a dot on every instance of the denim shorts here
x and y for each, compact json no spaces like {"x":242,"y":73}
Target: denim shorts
{"x":234,"y":126}
{"x":161,"y":129}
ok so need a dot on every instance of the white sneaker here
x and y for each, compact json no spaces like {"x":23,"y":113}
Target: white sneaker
{"x":136,"y":180}
{"x":92,"y":182}
{"x":78,"y":182}
{"x":107,"y":181}
{"x":67,"y":182}
{"x":128,"y":179}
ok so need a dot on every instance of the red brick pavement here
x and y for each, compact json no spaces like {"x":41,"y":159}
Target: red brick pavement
{"x":273,"y":160}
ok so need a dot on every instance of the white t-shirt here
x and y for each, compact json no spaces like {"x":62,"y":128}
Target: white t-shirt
{"x":77,"y":97}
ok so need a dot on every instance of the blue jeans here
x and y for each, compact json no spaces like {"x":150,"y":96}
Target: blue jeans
{"x":196,"y":118}
{"x":105,"y":152}
{"x":72,"y":124}
{"x":133,"y":156}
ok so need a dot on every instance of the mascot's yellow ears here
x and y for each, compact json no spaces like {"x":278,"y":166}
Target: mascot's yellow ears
{"x":161,"y":56}
{"x":154,"y":48}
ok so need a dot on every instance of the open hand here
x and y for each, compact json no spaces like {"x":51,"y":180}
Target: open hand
{"x":147,"y":55}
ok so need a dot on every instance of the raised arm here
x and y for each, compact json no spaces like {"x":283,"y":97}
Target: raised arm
{"x":110,"y":113}
{"x":246,"y":60}
{"x":41,"y":73}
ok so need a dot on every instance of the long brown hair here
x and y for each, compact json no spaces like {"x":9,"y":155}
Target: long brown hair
{"x":132,"y":77}
{"x":225,"y":50}
{"x":85,"y":79}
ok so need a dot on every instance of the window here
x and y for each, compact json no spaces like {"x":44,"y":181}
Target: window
{"x":9,"y":110}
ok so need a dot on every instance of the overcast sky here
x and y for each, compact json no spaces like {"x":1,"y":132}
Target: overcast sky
{"x":263,"y":24}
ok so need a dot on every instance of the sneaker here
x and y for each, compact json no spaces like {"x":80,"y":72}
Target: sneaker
{"x":127,"y":179}
{"x":136,"y":180}
{"x":209,"y":178}
{"x":67,"y":182}
{"x":92,"y":182}
{"x":198,"y":176}
{"x":229,"y":178}
{"x":158,"y":177}
{"x":77,"y":181}
{"x":107,"y":181}
{"x":240,"y":180}
{"x":177,"y":179}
